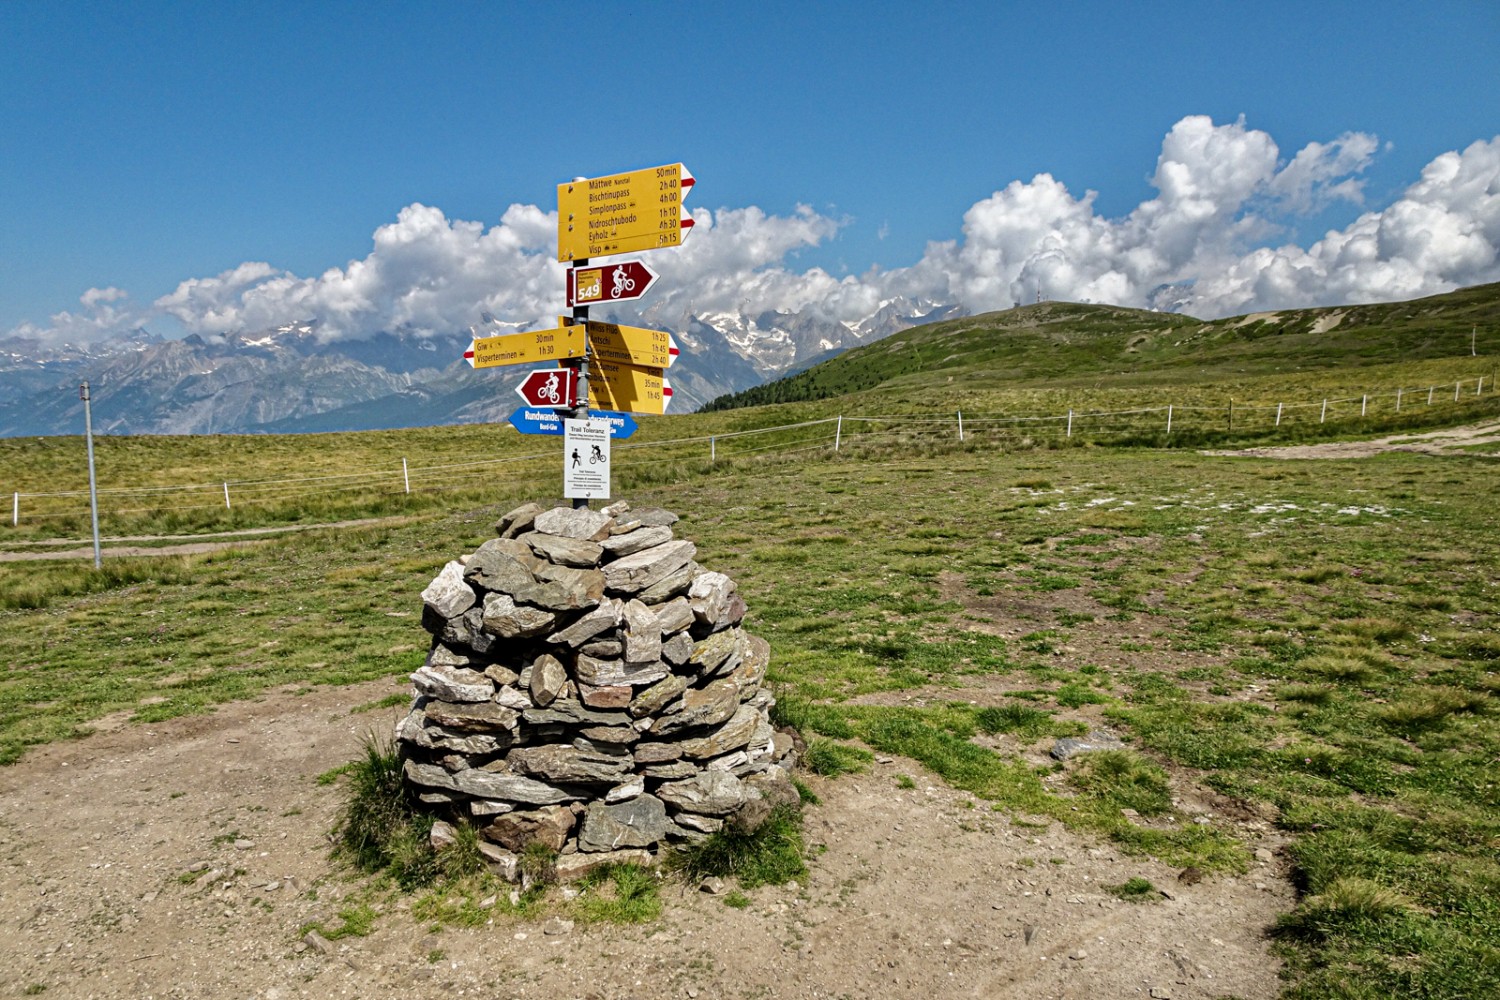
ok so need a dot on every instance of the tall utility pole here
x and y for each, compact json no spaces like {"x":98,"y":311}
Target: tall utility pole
{"x":88,"y":436}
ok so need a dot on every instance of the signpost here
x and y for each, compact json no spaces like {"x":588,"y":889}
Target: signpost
{"x":529,"y":420}
{"x":622,"y":213}
{"x":606,"y":368}
{"x":585,"y":459}
{"x":524,"y":348}
{"x":549,"y":387}
{"x":632,"y":388}
{"x":631,"y":345}
{"x":629,"y":279}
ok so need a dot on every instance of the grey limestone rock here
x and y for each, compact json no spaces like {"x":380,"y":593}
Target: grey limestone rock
{"x":634,"y":541}
{"x":548,"y":678}
{"x":486,"y":784}
{"x":609,"y":673}
{"x":635,"y":573}
{"x":518,"y":520}
{"x":656,"y":697}
{"x":706,"y":706}
{"x":594,"y":622}
{"x":565,"y":765}
{"x":641,"y":631}
{"x":549,"y":825}
{"x":574,"y":522}
{"x":637,"y":822}
{"x":470,"y":716}
{"x":494,"y":566}
{"x":452,"y":683}
{"x":563,"y":551}
{"x":448,"y":595}
{"x":730,"y":736}
{"x":504,"y":618}
{"x":711,"y":793}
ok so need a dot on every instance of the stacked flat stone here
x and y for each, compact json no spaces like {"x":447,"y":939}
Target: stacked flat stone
{"x":590,"y":688}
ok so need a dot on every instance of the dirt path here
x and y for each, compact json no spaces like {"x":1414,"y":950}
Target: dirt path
{"x":1440,"y":442}
{"x":193,"y":544}
{"x":920,"y":892}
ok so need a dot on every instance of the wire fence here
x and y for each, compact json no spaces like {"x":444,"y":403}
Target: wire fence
{"x":836,"y":435}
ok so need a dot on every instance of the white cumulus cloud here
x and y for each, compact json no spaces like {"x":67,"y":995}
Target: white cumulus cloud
{"x":1211,"y":242}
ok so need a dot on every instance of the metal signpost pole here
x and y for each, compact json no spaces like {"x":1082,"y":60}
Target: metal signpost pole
{"x":88,"y":434}
{"x":580,"y":409}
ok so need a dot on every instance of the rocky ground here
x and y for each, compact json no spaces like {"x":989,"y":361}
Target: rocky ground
{"x":182,"y":859}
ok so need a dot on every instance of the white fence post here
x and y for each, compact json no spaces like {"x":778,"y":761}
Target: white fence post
{"x":1478,"y":388}
{"x":960,"y":426}
{"x":1363,"y":402}
{"x":15,"y":510}
{"x":1398,"y":400}
{"x":1169,"y":418}
{"x":1429,"y":395}
{"x":838,"y":433}
{"x":405,"y":475}
{"x":1455,"y":390}
{"x":1324,"y":415}
{"x":713,"y":449}
{"x":1070,"y":423}
{"x":226,"y":496}
{"x":1278,"y":414}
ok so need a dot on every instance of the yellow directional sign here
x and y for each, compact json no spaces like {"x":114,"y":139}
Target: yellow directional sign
{"x":631,"y":345}
{"x":525,"y":348}
{"x":628,"y":388}
{"x":622,"y":213}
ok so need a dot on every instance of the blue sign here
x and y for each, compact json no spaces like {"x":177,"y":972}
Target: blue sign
{"x":538,"y":420}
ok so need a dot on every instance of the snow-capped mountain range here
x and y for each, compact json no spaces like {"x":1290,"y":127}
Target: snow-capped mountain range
{"x":289,"y":379}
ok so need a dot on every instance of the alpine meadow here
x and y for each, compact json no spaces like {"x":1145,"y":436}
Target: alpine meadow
{"x":1255,"y":554}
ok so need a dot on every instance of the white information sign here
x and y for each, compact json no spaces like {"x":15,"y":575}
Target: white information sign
{"x":586,"y":459}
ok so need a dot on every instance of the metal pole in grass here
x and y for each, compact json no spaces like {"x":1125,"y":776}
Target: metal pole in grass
{"x":1070,"y":423}
{"x":713,"y":450}
{"x":1324,"y":415}
{"x":1455,"y":390}
{"x":15,"y":509}
{"x":1429,"y":394}
{"x":838,"y":432}
{"x":1363,"y":402}
{"x":405,"y":476}
{"x":1169,"y":418}
{"x":226,"y":496}
{"x":960,"y":426}
{"x":88,"y":434}
{"x":1278,"y":414}
{"x":1398,"y":400}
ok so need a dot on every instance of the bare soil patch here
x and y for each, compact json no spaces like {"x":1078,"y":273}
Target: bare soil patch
{"x":914,"y":892}
{"x":1440,"y":442}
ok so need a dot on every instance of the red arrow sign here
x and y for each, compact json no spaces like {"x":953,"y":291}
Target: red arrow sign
{"x":620,"y":282}
{"x":554,"y":387}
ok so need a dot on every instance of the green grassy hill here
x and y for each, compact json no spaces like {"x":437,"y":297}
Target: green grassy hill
{"x":1307,"y":650}
{"x":1064,"y":344}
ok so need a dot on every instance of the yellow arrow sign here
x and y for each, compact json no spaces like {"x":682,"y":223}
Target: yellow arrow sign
{"x":622,"y":213}
{"x":631,"y":345}
{"x":526,"y":348}
{"x":628,"y":388}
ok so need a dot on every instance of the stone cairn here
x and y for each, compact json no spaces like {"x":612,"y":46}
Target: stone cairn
{"x":589,"y":688}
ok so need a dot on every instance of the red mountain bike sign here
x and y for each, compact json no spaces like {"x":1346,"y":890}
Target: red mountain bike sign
{"x":620,"y":282}
{"x":556,"y":387}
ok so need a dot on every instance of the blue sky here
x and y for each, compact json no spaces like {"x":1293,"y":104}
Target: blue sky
{"x":148,"y":145}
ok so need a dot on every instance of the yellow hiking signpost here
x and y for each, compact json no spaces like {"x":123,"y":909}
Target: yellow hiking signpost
{"x":623,"y":213}
{"x":526,"y":348}
{"x":631,"y":345}
{"x":628,"y":388}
